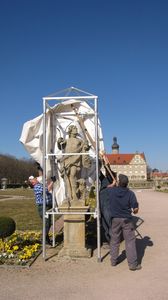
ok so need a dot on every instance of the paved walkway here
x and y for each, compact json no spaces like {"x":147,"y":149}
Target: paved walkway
{"x":63,"y":279}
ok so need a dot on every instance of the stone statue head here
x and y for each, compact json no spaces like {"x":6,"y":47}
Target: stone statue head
{"x":72,"y":129}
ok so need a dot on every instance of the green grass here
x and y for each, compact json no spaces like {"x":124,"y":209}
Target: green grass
{"x":17,"y":192}
{"x":23,"y":211}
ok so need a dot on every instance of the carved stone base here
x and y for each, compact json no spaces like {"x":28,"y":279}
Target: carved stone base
{"x":75,"y":253}
{"x":74,"y":232}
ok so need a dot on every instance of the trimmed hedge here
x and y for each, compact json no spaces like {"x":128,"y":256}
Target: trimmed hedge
{"x":7,"y":227}
{"x":13,"y":185}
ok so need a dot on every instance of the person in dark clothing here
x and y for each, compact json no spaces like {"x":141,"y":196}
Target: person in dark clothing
{"x":105,"y":206}
{"x":122,"y":203}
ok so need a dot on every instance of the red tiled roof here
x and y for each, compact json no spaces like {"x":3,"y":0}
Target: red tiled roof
{"x":159,"y":174}
{"x":122,"y":159}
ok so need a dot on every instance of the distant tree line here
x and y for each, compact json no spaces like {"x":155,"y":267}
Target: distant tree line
{"x":17,"y":171}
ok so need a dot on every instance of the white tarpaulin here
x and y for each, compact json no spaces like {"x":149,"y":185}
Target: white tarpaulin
{"x":58,"y":119}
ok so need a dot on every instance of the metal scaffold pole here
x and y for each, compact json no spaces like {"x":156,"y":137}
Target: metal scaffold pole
{"x":97,"y":182}
{"x":44,"y":178}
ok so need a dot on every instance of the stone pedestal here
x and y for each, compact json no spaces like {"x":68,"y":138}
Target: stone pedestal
{"x":74,"y":232}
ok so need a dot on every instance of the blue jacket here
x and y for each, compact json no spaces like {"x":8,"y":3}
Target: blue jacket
{"x":122,"y":201}
{"x":38,"y":191}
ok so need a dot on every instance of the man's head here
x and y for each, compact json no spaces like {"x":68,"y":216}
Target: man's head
{"x":33,"y":181}
{"x":123,"y":180}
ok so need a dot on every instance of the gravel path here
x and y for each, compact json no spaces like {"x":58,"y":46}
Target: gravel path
{"x":64,"y":279}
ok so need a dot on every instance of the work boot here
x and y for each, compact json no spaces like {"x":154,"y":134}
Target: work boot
{"x":114,"y":263}
{"x":136,"y":268}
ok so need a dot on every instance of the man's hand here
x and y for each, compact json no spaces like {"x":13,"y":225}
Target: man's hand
{"x":114,"y":183}
{"x":135,"y":210}
{"x":61,"y":143}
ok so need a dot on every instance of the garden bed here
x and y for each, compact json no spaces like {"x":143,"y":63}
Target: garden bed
{"x":20,"y":249}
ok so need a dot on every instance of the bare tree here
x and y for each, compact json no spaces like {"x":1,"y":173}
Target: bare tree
{"x":16,"y":170}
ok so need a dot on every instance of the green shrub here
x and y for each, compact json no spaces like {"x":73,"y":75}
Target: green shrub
{"x":7,"y":227}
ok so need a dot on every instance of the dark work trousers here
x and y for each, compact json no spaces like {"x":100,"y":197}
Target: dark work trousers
{"x":126,"y":227}
{"x":48,"y":220}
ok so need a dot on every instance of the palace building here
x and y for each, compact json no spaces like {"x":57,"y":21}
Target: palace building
{"x":133,"y":164}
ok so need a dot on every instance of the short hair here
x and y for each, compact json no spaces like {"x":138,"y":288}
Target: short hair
{"x":123,"y":180}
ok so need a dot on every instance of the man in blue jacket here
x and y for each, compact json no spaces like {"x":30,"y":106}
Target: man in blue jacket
{"x":122,"y":203}
{"x":38,"y":192}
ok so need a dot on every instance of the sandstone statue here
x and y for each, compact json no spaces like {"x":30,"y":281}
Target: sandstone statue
{"x":71,"y":165}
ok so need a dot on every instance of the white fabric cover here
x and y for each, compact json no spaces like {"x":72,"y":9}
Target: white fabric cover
{"x":58,"y":119}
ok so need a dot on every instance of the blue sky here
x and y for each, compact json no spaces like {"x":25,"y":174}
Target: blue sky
{"x":117,"y":50}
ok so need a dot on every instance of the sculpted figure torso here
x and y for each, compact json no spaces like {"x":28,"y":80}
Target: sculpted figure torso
{"x":72,"y":164}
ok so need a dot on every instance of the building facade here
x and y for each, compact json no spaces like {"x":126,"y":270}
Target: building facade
{"x":133,"y":165}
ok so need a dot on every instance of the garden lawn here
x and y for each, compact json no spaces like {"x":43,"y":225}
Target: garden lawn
{"x":23,"y":211}
{"x":17,"y":192}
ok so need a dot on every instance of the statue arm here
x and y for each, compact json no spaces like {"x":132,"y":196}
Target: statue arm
{"x":61,"y":143}
{"x":86,"y":146}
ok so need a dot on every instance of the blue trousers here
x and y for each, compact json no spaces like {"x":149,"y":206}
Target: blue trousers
{"x":126,"y":227}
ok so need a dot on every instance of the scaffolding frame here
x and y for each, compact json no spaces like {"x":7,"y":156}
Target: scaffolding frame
{"x":55,"y":211}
